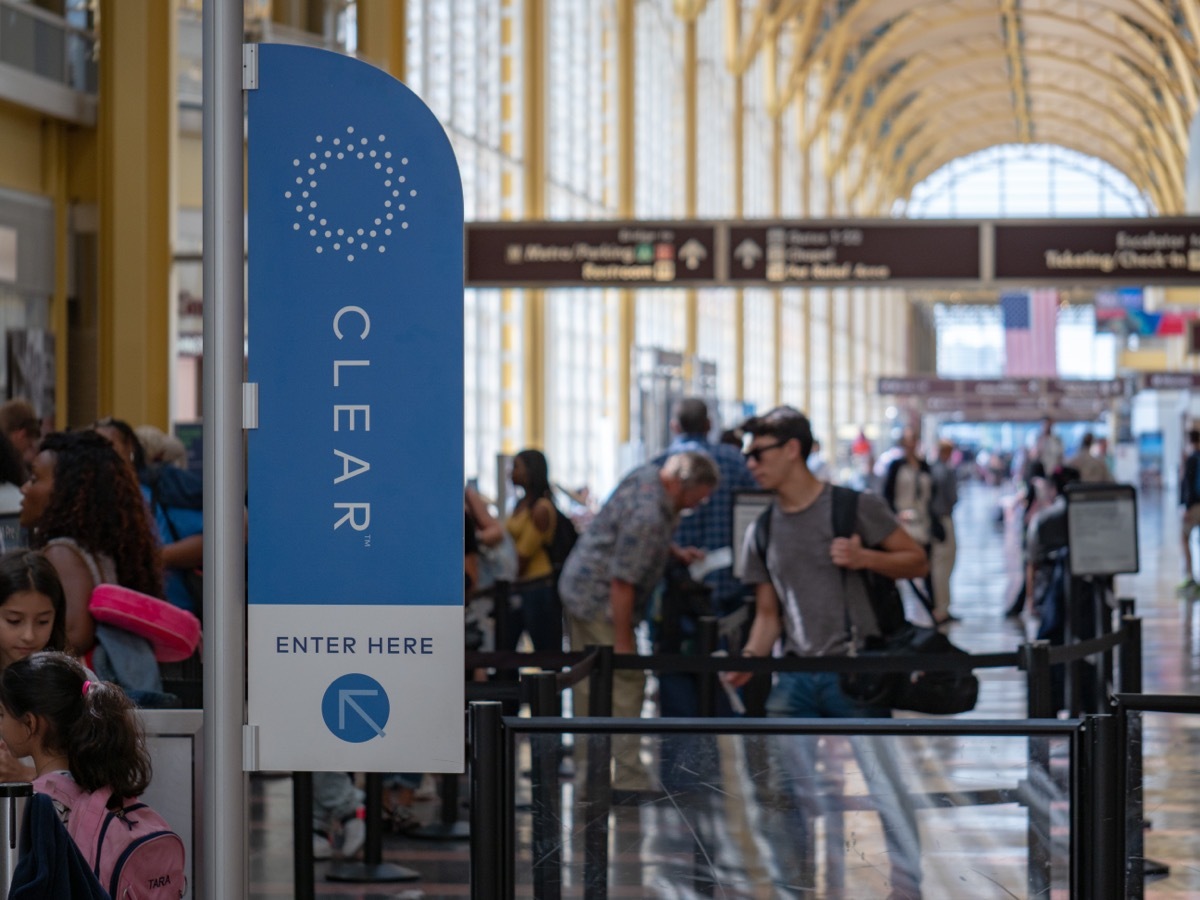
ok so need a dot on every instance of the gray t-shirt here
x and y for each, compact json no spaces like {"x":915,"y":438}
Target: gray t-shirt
{"x":814,"y":597}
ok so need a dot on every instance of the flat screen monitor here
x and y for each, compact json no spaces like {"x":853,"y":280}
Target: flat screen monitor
{"x":747,"y":505}
{"x":1102,"y":529}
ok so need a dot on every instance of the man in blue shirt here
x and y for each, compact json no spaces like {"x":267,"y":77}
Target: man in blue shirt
{"x":710,"y":526}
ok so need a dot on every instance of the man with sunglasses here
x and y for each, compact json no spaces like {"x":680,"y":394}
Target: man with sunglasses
{"x":808,"y":593}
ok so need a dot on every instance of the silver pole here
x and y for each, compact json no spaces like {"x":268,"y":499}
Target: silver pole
{"x":224,"y":850}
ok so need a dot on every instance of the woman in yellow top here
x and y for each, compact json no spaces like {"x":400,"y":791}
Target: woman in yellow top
{"x":532,"y":528}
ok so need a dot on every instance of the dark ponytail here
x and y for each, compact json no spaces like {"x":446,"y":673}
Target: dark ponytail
{"x":92,"y":722}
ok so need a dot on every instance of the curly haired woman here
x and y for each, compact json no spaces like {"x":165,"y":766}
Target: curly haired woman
{"x":84,"y":509}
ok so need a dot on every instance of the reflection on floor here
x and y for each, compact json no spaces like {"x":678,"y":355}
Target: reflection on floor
{"x":966,"y":852}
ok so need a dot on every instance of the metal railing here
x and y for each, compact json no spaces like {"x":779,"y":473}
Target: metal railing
{"x":49,"y":46}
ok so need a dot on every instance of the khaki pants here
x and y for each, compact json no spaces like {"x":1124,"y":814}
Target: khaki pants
{"x":629,"y":690}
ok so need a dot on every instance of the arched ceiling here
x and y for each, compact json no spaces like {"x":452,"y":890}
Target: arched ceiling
{"x":907,"y":86}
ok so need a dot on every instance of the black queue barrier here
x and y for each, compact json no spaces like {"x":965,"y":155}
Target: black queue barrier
{"x":1094,"y":750}
{"x":1128,"y":708}
{"x":1035,"y":659}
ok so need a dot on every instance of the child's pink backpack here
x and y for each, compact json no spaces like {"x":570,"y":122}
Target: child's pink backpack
{"x":132,"y":851}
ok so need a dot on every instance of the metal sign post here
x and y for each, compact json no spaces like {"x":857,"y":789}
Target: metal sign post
{"x":224,"y":848}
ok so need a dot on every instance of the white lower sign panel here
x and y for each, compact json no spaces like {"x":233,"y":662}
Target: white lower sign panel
{"x":367,"y":688}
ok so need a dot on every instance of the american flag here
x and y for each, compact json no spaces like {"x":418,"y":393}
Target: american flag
{"x":1030,"y":321}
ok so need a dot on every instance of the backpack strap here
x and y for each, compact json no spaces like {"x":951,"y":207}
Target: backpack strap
{"x":845,"y":510}
{"x":762,"y":532}
{"x":88,"y":813}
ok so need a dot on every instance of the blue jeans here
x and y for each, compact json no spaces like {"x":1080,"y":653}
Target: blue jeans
{"x":812,"y":695}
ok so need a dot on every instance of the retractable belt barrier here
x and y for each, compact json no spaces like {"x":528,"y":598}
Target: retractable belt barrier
{"x":542,"y":691}
{"x":560,"y":671}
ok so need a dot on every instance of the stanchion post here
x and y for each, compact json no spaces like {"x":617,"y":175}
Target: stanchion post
{"x":1131,"y":655}
{"x":490,"y":840}
{"x":1035,"y":660}
{"x":1105,"y":828}
{"x":598,"y":789}
{"x":706,"y":682}
{"x":547,"y":798}
{"x":372,"y":869}
{"x":302,"y":836}
{"x":600,"y":687}
{"x":373,"y":845}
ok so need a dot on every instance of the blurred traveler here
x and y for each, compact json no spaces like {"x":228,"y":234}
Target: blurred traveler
{"x":531,"y":527}
{"x":1189,"y":498}
{"x":1092,"y":468}
{"x":710,"y":526}
{"x":908,"y":490}
{"x":944,"y":550}
{"x":1048,"y":447}
{"x":21,"y":425}
{"x":83,"y":506}
{"x":615,"y":565}
{"x":175,"y":499}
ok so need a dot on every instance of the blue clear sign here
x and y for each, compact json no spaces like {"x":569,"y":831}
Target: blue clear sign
{"x":356,"y":708}
{"x":355,"y":339}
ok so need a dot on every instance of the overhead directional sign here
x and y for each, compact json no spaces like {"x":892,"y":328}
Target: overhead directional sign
{"x":1169,"y":381}
{"x":1130,"y":251}
{"x":861,"y":252}
{"x":355,"y":552}
{"x":848,"y":252}
{"x":590,"y":253}
{"x":1007,"y":399}
{"x":1000,"y":388}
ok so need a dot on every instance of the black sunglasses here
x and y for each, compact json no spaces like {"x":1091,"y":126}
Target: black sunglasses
{"x":755,"y":453}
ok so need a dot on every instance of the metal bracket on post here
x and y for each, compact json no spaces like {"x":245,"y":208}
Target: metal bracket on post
{"x":249,"y":67}
{"x":250,"y":748}
{"x":249,"y":405}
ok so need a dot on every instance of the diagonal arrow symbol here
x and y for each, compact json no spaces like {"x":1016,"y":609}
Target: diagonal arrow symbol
{"x":346,"y":698}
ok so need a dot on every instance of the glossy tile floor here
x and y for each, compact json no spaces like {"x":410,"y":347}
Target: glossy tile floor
{"x":984,"y":580}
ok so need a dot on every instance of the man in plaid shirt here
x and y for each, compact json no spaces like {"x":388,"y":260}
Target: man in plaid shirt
{"x":710,"y":526}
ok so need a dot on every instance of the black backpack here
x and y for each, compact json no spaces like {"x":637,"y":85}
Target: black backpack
{"x":938,"y":692}
{"x":563,"y":541}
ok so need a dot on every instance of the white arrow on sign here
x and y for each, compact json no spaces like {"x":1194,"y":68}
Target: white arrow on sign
{"x":692,"y":252}
{"x":346,"y":698}
{"x":748,"y":252}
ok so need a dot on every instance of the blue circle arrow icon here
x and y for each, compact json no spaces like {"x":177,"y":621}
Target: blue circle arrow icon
{"x":355,"y":708}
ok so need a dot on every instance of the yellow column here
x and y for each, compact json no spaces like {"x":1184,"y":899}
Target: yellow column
{"x":691,"y":176}
{"x":510,"y":337}
{"x":534,"y":137}
{"x":626,"y":197}
{"x":739,"y":210}
{"x":382,"y":34}
{"x":805,"y":211}
{"x":54,"y":185}
{"x":305,"y":15}
{"x":777,"y":210}
{"x":136,"y":155}
{"x":852,"y":364}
